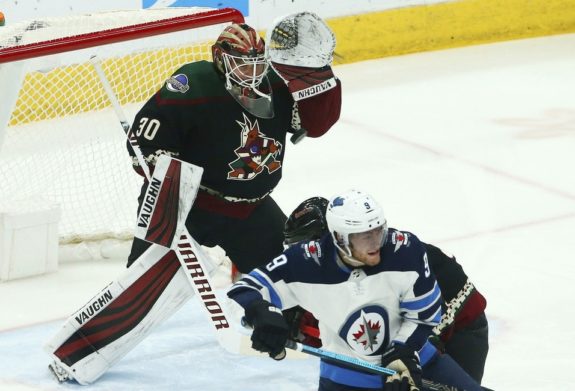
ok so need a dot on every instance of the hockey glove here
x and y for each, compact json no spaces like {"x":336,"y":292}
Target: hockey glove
{"x":270,"y":328}
{"x":304,"y":82}
{"x":405,"y":361}
{"x":303,"y":326}
{"x":300,"y":50}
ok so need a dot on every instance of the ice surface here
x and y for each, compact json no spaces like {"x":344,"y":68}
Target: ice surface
{"x":471,"y":149}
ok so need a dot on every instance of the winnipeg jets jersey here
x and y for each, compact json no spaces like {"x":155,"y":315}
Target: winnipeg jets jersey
{"x":361,"y":311}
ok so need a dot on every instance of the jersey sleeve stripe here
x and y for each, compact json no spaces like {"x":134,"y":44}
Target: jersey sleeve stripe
{"x":349,"y":377}
{"x":263,"y":280}
{"x":427,"y":352}
{"x":436,"y":317}
{"x":243,"y":285}
{"x":252,"y":281}
{"x":422,"y":302}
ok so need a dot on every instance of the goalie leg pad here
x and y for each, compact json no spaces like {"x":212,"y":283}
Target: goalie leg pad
{"x":113,"y":322}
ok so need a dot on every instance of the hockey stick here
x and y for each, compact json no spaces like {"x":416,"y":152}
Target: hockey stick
{"x":352,"y":362}
{"x":362,"y":365}
{"x":121,"y":116}
{"x":188,"y":251}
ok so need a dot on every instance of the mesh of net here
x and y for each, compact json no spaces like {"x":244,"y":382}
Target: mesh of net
{"x":64,"y":143}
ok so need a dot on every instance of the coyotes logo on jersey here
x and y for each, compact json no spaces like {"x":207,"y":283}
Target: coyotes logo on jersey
{"x":255,"y":153}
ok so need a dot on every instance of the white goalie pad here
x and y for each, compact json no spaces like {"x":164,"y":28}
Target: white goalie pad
{"x":300,"y":39}
{"x":104,"y":330}
{"x":171,"y":192}
{"x":114,"y":321}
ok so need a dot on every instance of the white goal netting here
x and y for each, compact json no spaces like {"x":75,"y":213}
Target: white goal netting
{"x":60,"y":140}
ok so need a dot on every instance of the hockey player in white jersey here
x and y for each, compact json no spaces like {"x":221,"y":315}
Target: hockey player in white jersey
{"x":372,"y":291}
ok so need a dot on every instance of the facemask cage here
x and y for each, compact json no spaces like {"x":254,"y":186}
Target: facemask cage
{"x":239,"y":55}
{"x":246,"y":72}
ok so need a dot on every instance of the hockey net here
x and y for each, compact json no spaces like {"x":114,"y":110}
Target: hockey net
{"x":60,"y":140}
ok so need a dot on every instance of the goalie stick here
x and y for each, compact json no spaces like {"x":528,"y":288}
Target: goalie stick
{"x":153,"y":288}
{"x":191,"y":257}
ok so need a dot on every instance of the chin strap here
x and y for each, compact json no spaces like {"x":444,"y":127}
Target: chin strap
{"x":348,"y":260}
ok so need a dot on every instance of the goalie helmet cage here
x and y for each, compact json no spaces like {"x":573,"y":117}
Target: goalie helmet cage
{"x":60,"y":140}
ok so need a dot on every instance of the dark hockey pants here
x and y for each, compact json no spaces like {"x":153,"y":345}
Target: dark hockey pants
{"x":469,"y":347}
{"x":249,"y":243}
{"x":441,"y":369}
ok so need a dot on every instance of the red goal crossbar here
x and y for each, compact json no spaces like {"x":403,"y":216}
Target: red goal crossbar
{"x":103,"y":37}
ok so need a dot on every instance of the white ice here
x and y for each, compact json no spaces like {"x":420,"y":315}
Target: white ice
{"x":472,"y":149}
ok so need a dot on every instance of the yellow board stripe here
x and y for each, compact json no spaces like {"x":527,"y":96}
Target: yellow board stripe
{"x":359,"y":37}
{"x":134,"y":78}
{"x":448,"y":25}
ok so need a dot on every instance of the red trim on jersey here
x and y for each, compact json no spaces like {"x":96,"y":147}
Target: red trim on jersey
{"x":473,"y":307}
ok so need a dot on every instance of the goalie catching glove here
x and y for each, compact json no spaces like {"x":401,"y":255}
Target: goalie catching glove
{"x":300,"y":50}
{"x":405,"y":362}
{"x":270,"y":328}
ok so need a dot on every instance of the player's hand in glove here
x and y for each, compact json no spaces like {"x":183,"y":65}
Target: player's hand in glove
{"x":270,"y":328}
{"x":305,"y":82}
{"x":405,"y":361}
{"x":300,"y":50}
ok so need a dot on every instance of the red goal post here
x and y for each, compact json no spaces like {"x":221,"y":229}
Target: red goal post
{"x":60,"y":141}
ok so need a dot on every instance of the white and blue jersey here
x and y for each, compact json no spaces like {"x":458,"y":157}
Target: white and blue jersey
{"x":361,"y":311}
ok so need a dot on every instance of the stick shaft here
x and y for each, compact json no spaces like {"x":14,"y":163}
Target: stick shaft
{"x":121,"y":116}
{"x":365,"y":366}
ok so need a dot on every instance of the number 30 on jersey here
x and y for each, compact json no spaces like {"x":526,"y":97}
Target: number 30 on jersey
{"x":148,"y":127}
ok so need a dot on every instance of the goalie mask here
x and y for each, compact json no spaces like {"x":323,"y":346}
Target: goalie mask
{"x":358,"y":227}
{"x":307,"y":221}
{"x":238,"y":54}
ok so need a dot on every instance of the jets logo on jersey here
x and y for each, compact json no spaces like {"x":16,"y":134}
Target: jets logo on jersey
{"x":312,"y":250}
{"x":366,"y":331}
{"x":399,"y":239}
{"x":178,"y":83}
{"x":255,"y":154}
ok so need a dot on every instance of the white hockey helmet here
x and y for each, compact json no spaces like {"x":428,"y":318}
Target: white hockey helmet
{"x":353,"y":212}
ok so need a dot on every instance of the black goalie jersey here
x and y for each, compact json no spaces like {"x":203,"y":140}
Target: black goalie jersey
{"x":194,"y":118}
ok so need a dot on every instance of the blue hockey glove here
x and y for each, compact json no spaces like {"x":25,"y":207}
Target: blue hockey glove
{"x":405,"y":361}
{"x":270,"y":328}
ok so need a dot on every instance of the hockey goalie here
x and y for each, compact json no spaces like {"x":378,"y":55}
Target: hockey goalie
{"x":231,"y":117}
